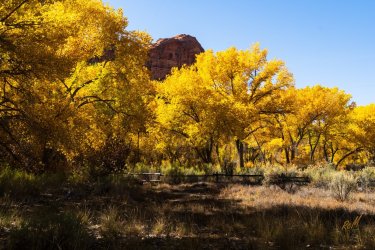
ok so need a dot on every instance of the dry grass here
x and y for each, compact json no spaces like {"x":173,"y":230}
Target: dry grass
{"x":262,"y":197}
{"x":118,"y":215}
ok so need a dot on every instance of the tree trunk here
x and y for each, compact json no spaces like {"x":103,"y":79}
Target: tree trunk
{"x":313,"y":146}
{"x":325,"y":152}
{"x":240,"y":152}
{"x":292,"y":154}
{"x":205,"y":153}
{"x":137,"y":153}
{"x":287,"y":156}
{"x":333,"y":152}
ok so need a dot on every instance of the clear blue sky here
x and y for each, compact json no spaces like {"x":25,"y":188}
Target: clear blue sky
{"x":330,"y":42}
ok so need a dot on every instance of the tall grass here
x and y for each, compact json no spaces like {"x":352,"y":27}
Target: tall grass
{"x":50,"y":231}
{"x":18,"y":183}
{"x":113,"y":210}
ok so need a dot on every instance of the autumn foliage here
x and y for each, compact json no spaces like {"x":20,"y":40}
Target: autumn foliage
{"x":75,"y":93}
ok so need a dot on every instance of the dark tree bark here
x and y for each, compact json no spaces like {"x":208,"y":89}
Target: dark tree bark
{"x":240,"y":152}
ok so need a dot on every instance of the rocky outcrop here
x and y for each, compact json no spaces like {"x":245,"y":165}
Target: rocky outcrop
{"x":172,"y":52}
{"x":108,"y":55}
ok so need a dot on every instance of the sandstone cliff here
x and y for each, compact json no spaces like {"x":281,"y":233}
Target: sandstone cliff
{"x":172,"y":52}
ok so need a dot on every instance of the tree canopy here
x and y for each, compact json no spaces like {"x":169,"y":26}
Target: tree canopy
{"x":75,"y":92}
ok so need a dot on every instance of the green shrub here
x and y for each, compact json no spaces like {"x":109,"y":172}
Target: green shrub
{"x":174,"y":172}
{"x":271,"y":173}
{"x":208,"y":168}
{"x":275,"y":174}
{"x":144,"y":168}
{"x":115,"y":184}
{"x":19,"y":183}
{"x":342,"y":184}
{"x":257,"y":169}
{"x":320,"y":174}
{"x":365,"y":177}
{"x":80,"y":175}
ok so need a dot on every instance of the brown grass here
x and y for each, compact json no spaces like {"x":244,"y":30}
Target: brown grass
{"x":262,"y":197}
{"x":124,"y":215}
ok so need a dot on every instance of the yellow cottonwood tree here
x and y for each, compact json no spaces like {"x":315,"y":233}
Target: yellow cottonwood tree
{"x":312,"y":123}
{"x":361,"y":132}
{"x":72,"y":81}
{"x":224,"y":94}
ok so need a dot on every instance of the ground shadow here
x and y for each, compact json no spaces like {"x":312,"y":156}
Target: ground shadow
{"x":188,"y":216}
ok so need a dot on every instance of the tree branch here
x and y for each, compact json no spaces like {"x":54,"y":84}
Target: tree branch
{"x":14,"y":10}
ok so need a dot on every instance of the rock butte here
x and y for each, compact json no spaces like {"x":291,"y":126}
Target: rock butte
{"x":167,"y":53}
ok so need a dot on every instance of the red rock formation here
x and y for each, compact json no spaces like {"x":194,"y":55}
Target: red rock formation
{"x":172,"y":52}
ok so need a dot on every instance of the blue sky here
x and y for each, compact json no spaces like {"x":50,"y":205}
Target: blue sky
{"x":328,"y":42}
